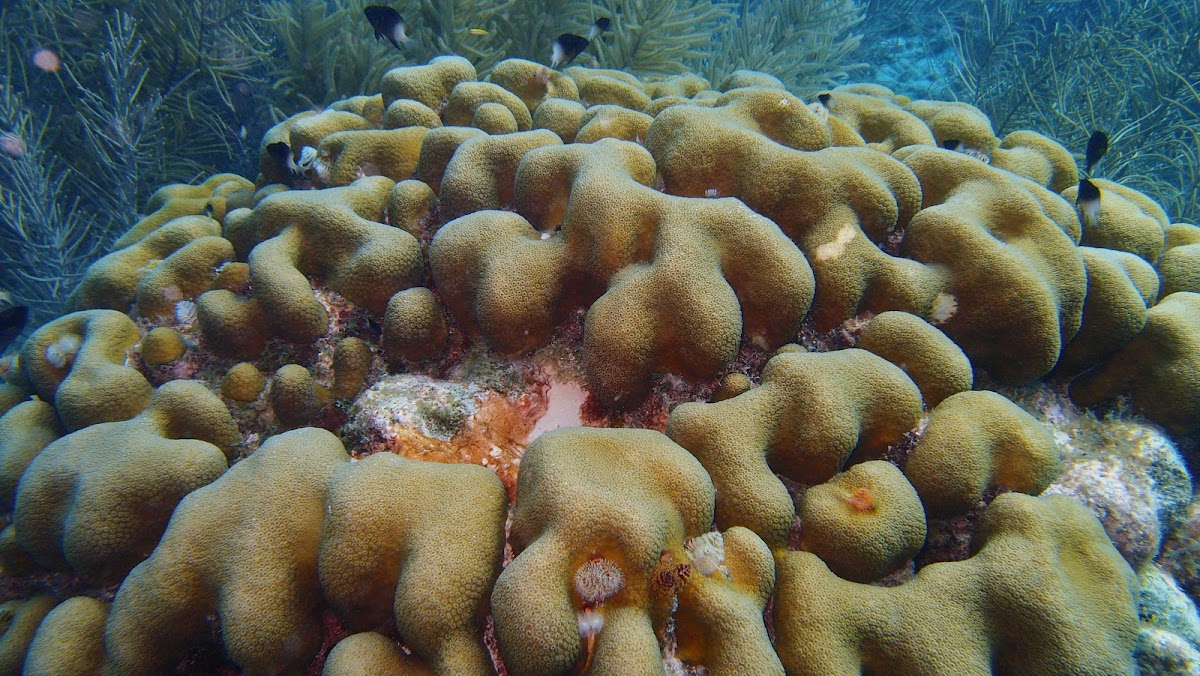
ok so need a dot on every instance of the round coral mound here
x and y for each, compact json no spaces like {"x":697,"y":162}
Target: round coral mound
{"x":531,"y":370}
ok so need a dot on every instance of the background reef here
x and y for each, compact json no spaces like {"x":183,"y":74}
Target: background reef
{"x":684,"y":358}
{"x":151,"y":92}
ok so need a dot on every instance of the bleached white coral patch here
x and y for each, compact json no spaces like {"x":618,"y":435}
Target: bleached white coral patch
{"x":185,"y":314}
{"x":707,"y":552}
{"x":565,"y":400}
{"x":944,"y":307}
{"x":62,"y":351}
{"x":838,"y":246}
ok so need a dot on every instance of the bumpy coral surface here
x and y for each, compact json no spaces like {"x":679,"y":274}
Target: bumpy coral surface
{"x":357,"y":416}
{"x":1040,"y":566}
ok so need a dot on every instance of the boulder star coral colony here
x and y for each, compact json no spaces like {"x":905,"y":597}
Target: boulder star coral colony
{"x":794,"y":300}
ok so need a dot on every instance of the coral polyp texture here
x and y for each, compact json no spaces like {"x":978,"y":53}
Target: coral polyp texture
{"x":671,"y":283}
{"x":539,"y":371}
{"x":1043,"y":592}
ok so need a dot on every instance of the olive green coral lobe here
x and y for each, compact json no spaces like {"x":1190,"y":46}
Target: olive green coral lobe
{"x":694,"y":275}
{"x":1044,"y":593}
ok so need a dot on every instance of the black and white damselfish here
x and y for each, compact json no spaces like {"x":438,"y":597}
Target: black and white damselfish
{"x":567,"y":46}
{"x":12,"y":322}
{"x":281,"y":155}
{"x":1097,"y":145}
{"x":387,"y":24}
{"x":1088,"y":201}
{"x":598,"y":28}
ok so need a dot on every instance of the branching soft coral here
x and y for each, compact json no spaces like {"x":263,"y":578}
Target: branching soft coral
{"x":327,"y":52}
{"x":806,"y":44}
{"x":658,"y":37}
{"x":1126,"y":67}
{"x":46,"y":243}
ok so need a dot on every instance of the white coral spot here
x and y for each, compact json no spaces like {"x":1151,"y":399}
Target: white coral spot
{"x":307,"y":155}
{"x":944,"y":307}
{"x":707,"y":552}
{"x":837,"y":247}
{"x":185,"y":313}
{"x":62,"y":352}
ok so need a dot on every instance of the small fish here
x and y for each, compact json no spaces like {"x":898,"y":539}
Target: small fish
{"x":387,"y":24}
{"x":281,"y":154}
{"x":12,"y":145}
{"x":565,"y":48}
{"x":826,"y":100}
{"x":1088,"y":201}
{"x":951,"y":144}
{"x":46,"y":60}
{"x":241,"y":99}
{"x":598,"y":28}
{"x":12,"y":322}
{"x":477,"y":31}
{"x":1096,"y":147}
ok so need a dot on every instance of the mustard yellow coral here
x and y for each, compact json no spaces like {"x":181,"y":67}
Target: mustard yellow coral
{"x":1160,"y":367}
{"x":978,"y":440}
{"x":928,"y":356}
{"x":583,"y":494}
{"x":1127,"y":220}
{"x":864,"y":523}
{"x":337,"y":233}
{"x":19,"y":620}
{"x":115,"y":280}
{"x":295,"y":396}
{"x":77,"y":362}
{"x":163,"y":345}
{"x":244,"y":549}
{"x":211,"y":198}
{"x":414,"y":326}
{"x":243,"y":382}
{"x":712,"y":273}
{"x":812,"y":415}
{"x":1044,"y":592}
{"x":417,"y":543}
{"x":24,"y":431}
{"x":96,"y":501}
{"x":70,"y":639}
{"x":351,"y":363}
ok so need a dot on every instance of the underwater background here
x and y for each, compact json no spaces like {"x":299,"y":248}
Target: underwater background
{"x":156,"y":92}
{"x":804,"y":336}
